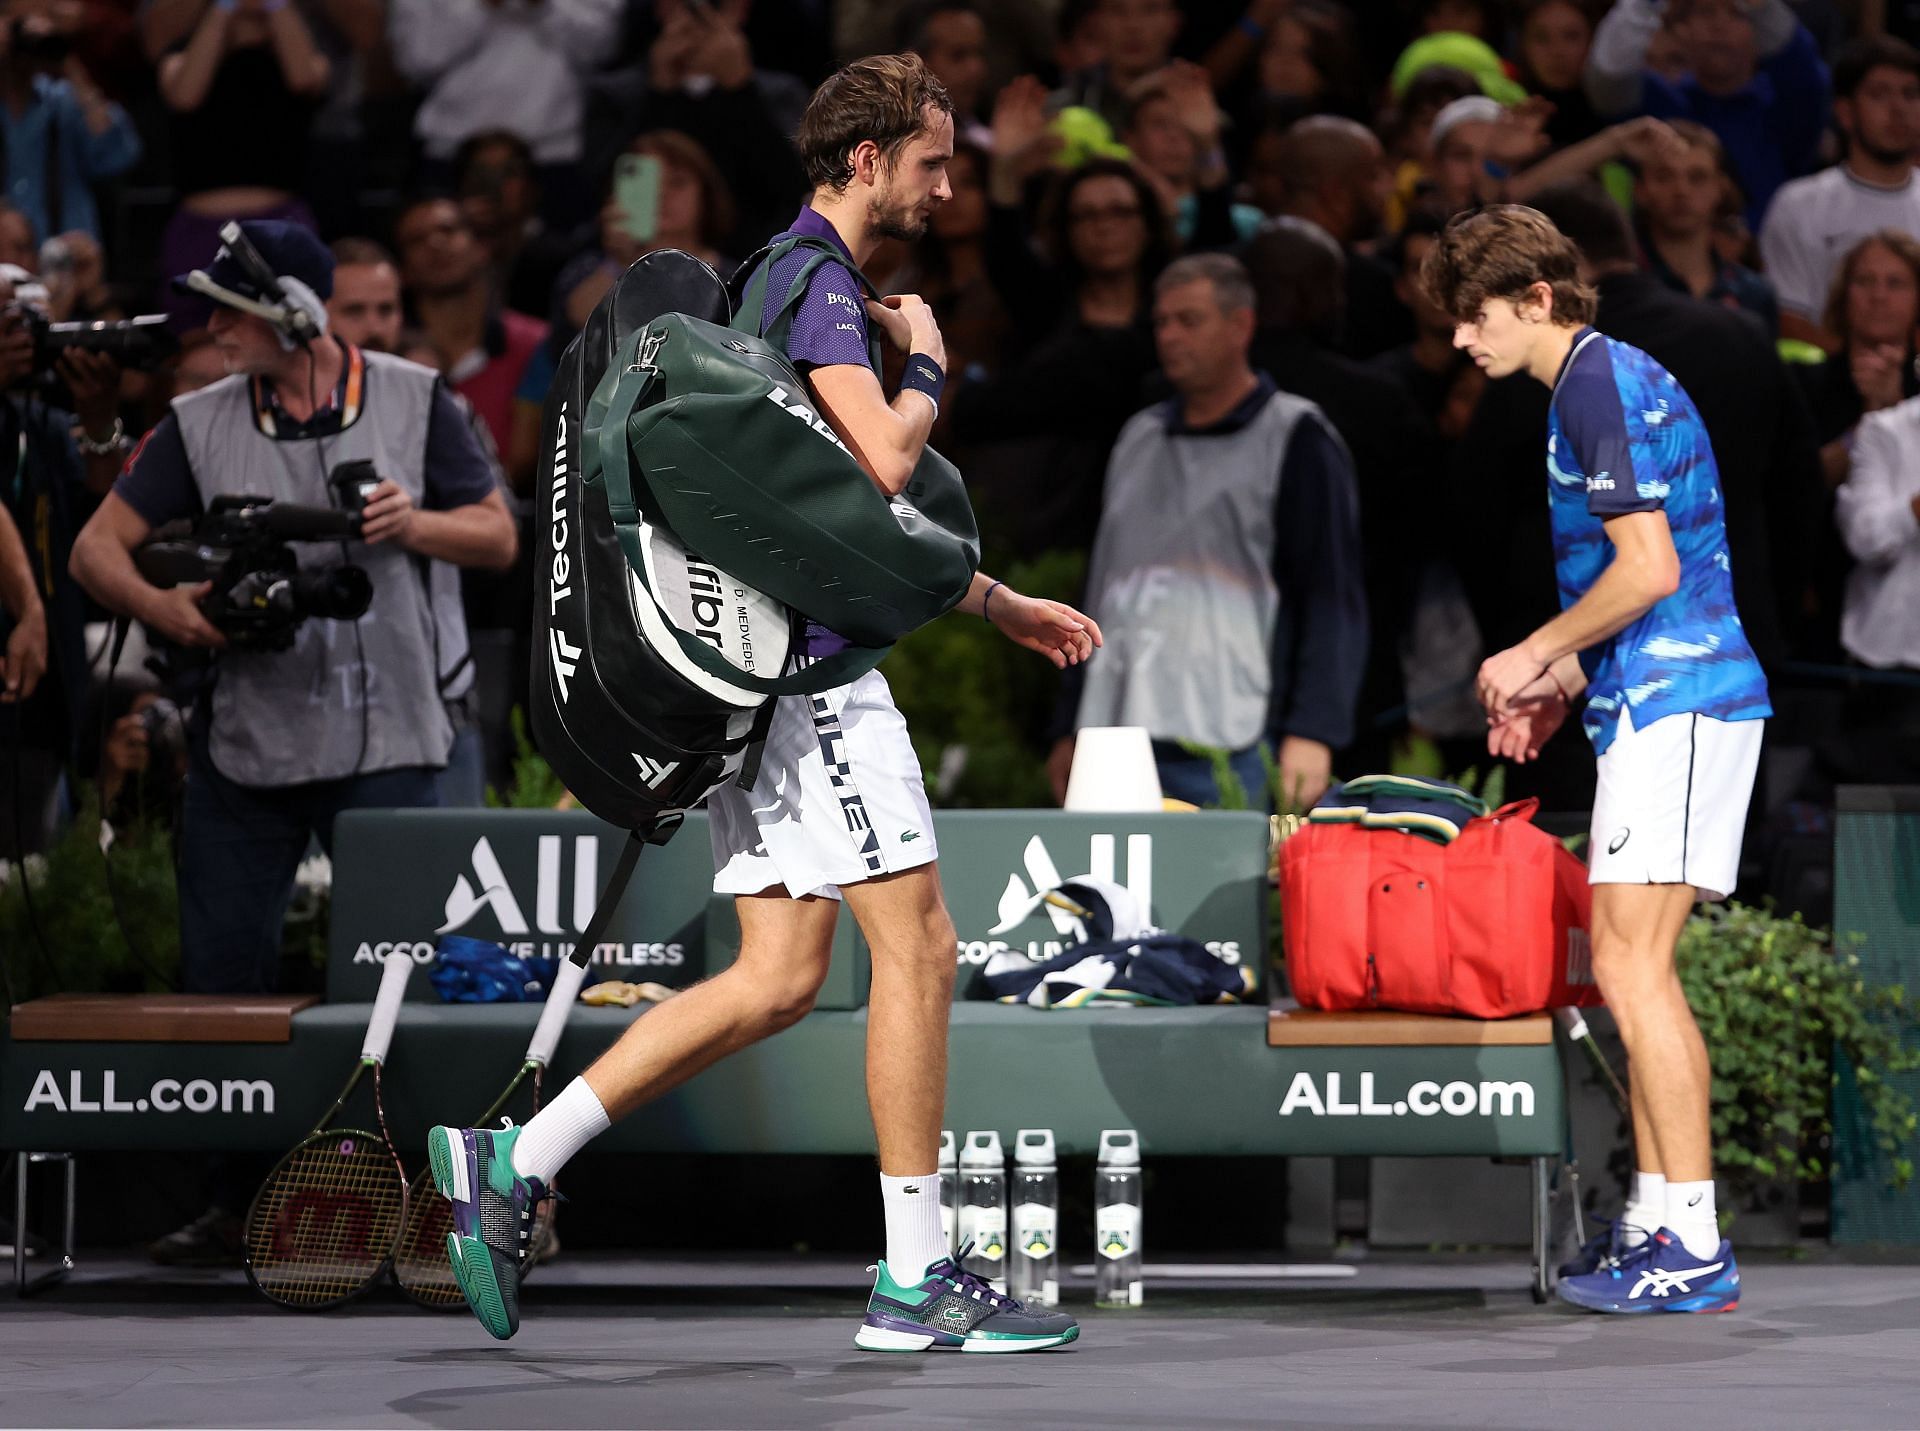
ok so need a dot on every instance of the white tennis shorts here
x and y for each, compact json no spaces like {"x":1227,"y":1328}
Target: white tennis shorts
{"x":1670,"y":806}
{"x":839,"y":798}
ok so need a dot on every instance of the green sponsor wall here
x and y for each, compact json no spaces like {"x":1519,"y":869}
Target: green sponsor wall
{"x":1192,"y":1081}
{"x":529,"y":879}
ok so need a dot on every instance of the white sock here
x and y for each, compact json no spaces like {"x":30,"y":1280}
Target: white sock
{"x":915,"y":1239}
{"x":1691,"y":1217}
{"x":558,"y":1131}
{"x":1646,"y":1208}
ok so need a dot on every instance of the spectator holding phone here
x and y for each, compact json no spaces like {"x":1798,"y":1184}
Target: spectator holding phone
{"x":666,"y":193}
{"x":701,"y":78}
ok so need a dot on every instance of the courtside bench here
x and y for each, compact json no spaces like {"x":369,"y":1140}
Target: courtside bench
{"x":1201,"y":1081}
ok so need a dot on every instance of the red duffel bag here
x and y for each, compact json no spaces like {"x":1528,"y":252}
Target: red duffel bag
{"x":1492,"y":925}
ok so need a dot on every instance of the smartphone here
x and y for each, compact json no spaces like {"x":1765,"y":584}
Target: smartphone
{"x":636,"y":189}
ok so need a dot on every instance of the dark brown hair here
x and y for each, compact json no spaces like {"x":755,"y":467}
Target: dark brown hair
{"x":883,"y":98}
{"x":1898,"y":242}
{"x":1500,"y":252}
{"x":354,"y":252}
{"x":1859,"y":58}
{"x":683,"y":151}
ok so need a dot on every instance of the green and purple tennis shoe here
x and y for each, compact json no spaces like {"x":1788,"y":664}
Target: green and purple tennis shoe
{"x":493,"y":1208}
{"x":953,"y":1310}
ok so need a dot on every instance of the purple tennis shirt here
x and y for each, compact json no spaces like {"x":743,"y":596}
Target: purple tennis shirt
{"x":829,"y":329}
{"x":830,"y":320}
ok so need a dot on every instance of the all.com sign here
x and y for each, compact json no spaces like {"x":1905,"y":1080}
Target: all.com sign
{"x":163,"y":1095}
{"x":1485,"y":1098}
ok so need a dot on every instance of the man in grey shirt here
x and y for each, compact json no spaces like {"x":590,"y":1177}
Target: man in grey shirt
{"x":1227,"y":569}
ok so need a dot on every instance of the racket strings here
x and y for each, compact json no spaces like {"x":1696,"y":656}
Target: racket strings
{"x":327,"y":1220}
{"x":421,"y":1261}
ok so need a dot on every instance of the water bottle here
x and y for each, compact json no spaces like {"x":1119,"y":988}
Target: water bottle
{"x":1116,"y":1220}
{"x":983,"y":1207}
{"x":949,"y":1188}
{"x":1035,"y":1272}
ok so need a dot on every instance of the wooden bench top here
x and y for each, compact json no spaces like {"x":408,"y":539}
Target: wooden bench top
{"x":1289,"y":1027}
{"x":158,"y":1018}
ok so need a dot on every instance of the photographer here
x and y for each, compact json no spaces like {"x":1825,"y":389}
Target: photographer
{"x":27,"y":780}
{"x":62,"y":135}
{"x":41,"y":494}
{"x":349,"y":713}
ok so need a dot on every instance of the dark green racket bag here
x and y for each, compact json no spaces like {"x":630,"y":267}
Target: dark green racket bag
{"x":706,"y":429}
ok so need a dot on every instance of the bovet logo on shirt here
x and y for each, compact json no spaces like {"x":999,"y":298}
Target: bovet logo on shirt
{"x":779,"y":396}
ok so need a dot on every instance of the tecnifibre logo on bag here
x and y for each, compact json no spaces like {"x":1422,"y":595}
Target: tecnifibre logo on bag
{"x":166,"y":1095}
{"x":562,"y":654}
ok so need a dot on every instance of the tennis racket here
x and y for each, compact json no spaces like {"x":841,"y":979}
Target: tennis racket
{"x":420,"y":1265}
{"x":326,"y":1221}
{"x":1574,"y":1024}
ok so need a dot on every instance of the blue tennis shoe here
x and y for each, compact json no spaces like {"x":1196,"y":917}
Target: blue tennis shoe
{"x":1661,"y":1276}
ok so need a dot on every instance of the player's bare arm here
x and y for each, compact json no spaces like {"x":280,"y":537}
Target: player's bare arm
{"x":1056,"y":630}
{"x":887,"y":438}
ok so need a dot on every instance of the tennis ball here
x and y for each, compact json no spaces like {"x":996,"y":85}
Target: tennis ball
{"x":1084,"y":135}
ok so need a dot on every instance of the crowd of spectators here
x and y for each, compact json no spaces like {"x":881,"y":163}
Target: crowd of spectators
{"x":1739,"y":173}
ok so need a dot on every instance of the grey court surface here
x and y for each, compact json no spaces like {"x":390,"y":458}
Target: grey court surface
{"x":631,"y":1342}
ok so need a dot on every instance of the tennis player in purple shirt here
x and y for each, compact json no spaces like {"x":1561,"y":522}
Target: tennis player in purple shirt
{"x":839,"y":812}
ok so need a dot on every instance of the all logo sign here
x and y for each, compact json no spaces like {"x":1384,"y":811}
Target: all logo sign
{"x":490,"y":890}
{"x":1126,"y":859}
{"x":1045,"y":875}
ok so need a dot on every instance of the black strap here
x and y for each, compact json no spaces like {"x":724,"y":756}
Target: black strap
{"x":657,"y":831}
{"x":56,"y":178}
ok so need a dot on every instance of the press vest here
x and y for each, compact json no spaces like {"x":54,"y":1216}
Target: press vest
{"x":1182,"y":579}
{"x":289,"y":717}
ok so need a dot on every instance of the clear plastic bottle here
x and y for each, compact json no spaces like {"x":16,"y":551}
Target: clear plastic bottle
{"x":983,"y":1207}
{"x":1034,"y":1275}
{"x":949,"y":1188}
{"x":1116,"y":1220}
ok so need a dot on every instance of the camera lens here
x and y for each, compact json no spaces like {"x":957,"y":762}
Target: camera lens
{"x":339,"y":593}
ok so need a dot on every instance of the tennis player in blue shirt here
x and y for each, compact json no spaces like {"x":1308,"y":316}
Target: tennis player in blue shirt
{"x":1675,"y":706}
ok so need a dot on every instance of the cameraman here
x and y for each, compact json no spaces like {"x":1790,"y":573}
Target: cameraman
{"x":353,"y":714}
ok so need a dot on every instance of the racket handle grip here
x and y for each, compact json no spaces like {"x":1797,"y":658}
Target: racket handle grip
{"x":386,"y":1006}
{"x":553,"y":1018}
{"x":1572,"y":1022}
